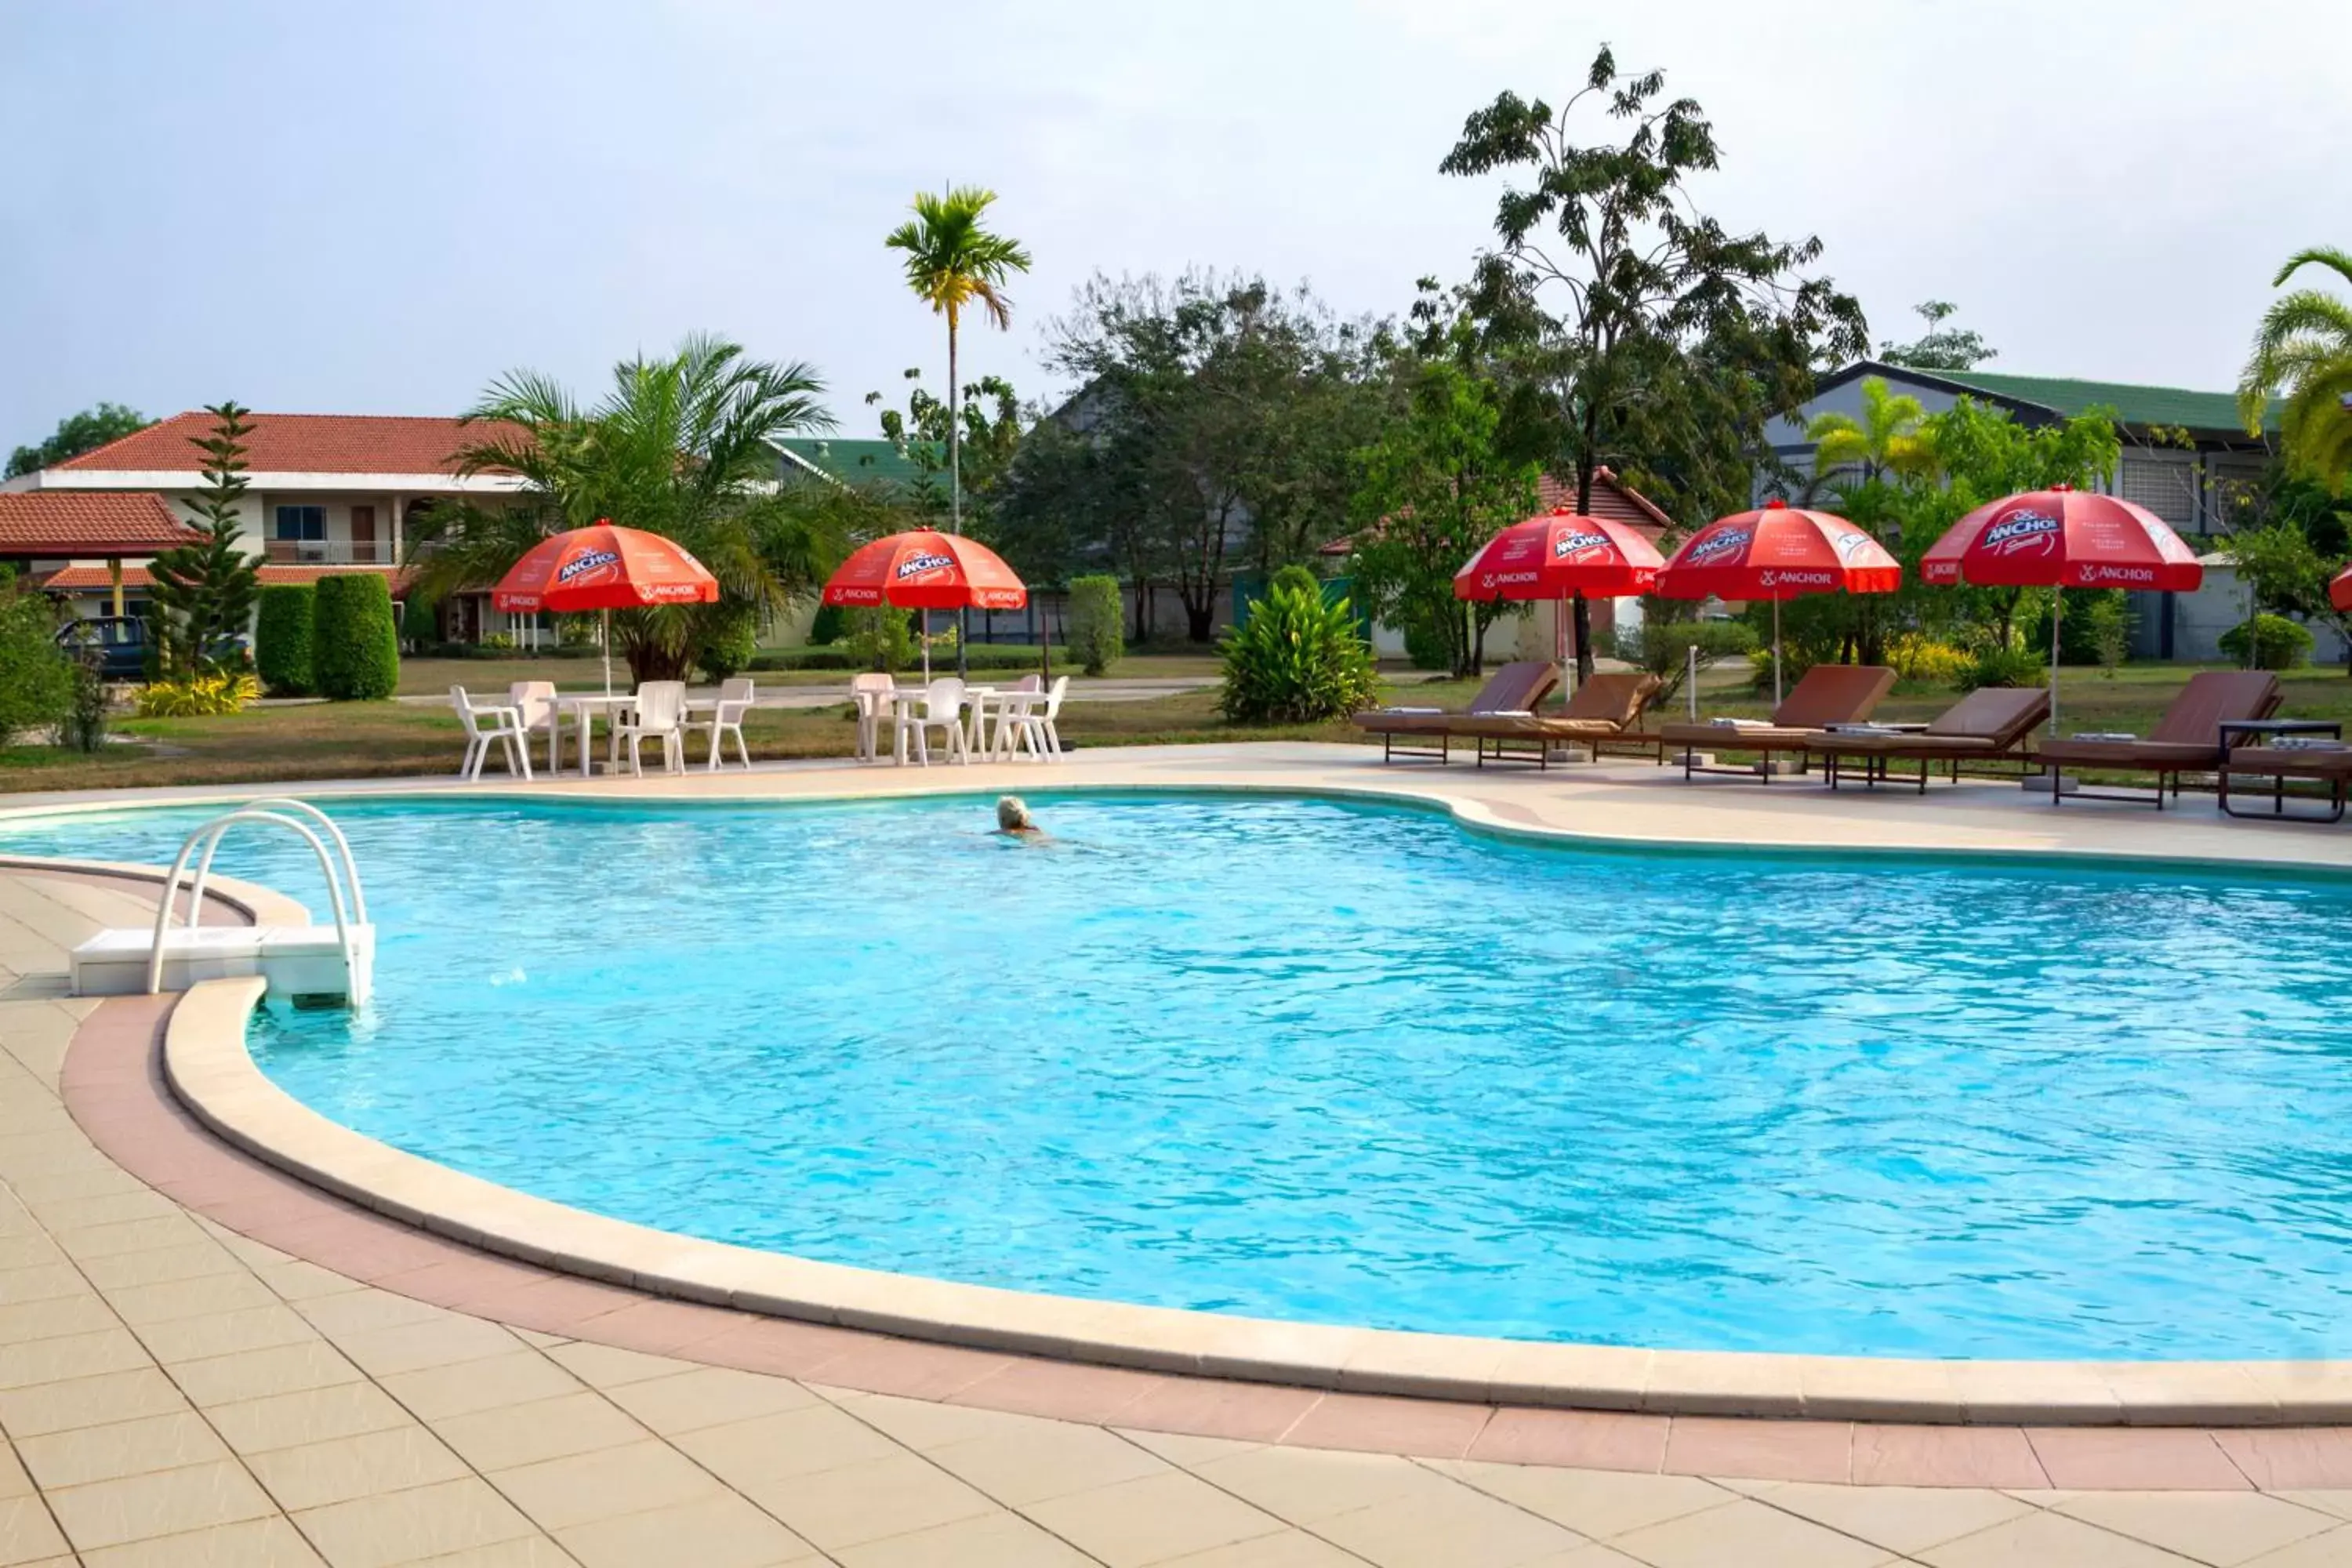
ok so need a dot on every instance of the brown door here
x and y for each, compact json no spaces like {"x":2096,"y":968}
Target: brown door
{"x":363,"y":533}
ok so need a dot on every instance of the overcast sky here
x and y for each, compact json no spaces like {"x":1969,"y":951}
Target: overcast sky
{"x":375,"y":209}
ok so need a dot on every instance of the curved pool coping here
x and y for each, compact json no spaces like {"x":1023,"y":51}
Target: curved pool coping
{"x":209,"y":1069}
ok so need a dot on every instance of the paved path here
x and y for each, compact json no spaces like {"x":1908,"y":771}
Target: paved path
{"x":173,"y":1392}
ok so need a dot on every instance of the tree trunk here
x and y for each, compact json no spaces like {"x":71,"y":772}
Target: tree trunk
{"x":1582,"y":614}
{"x":955,"y":489}
{"x":1200,"y":618}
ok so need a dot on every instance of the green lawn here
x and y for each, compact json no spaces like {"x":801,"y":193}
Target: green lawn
{"x":383,"y":739}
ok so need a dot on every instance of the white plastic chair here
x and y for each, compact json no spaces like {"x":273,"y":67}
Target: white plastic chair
{"x":872,"y":692}
{"x":658,"y":712}
{"x":486,"y":723}
{"x":534,"y":703}
{"x":727,"y":718}
{"x":1009,"y":707}
{"x":1037,"y":731}
{"x":942,"y":709}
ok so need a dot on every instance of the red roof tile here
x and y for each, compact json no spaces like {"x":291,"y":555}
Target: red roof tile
{"x":82,"y":579}
{"x":87,"y":522}
{"x":296,"y":444}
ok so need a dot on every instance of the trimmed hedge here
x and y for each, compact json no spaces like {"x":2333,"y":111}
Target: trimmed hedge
{"x":1098,"y":617}
{"x":978,"y":656}
{"x":829,"y":626}
{"x":282,"y":639}
{"x":354,"y":648}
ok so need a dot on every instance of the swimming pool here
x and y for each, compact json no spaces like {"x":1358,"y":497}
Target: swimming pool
{"x":1305,"y":1060}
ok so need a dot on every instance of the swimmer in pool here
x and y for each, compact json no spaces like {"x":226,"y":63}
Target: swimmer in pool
{"x":1012,"y":818}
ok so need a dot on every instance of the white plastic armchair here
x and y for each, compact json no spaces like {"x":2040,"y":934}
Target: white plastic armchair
{"x":942,"y":710}
{"x":486,"y":723}
{"x":658,"y":713}
{"x":726,"y":718}
{"x":535,"y":707}
{"x":873,"y":693}
{"x":1037,"y":731}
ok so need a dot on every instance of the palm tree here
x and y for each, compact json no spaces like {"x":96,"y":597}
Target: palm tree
{"x":2304,"y":349}
{"x":952,"y":262}
{"x":1887,"y":440}
{"x":681,"y":447}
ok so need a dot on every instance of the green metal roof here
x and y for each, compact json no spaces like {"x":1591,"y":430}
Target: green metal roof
{"x":857,"y":462}
{"x":2135,"y":405}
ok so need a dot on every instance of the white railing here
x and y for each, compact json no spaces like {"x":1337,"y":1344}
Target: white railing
{"x":272,"y":810}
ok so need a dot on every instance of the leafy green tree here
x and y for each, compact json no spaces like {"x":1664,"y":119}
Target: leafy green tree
{"x":1437,"y":486}
{"x":1939,"y":347}
{"x":37,"y":677}
{"x":681,"y":447}
{"x":1216,"y":425}
{"x":2288,"y":575}
{"x":953,"y":262}
{"x":1608,"y":276}
{"x":205,"y":591}
{"x":2303,"y":353}
{"x":77,"y":433}
{"x":987,"y":433}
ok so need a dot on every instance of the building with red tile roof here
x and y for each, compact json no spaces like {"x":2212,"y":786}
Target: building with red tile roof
{"x":53,"y":524}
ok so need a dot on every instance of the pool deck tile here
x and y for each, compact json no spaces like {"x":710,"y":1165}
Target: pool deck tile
{"x":1946,"y":1456}
{"x":2080,"y":1458}
{"x":1767,"y":1450}
{"x":1585,"y":1439}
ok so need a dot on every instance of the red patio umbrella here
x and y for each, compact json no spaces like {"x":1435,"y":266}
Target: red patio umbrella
{"x":1777,"y":552}
{"x":603,"y":567}
{"x":925,"y":570}
{"x":2063,"y":538}
{"x":2339,"y":592}
{"x":1560,"y":555}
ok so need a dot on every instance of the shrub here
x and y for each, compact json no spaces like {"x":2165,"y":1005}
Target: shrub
{"x":1794,"y":662}
{"x":35,"y":675}
{"x":282,"y":639}
{"x":84,"y":726}
{"x":879,"y":638}
{"x":1296,"y":576}
{"x":730,"y":639}
{"x":1297,"y":660}
{"x":1098,"y":617}
{"x":826,"y":629}
{"x":503,"y":642}
{"x":1914,"y":657}
{"x":198,"y":697}
{"x":2107,"y":628}
{"x":1662,"y":647}
{"x":354,"y":652}
{"x":2005,"y":666}
{"x":420,"y":620}
{"x":2268,"y":642}
{"x":1425,"y":646}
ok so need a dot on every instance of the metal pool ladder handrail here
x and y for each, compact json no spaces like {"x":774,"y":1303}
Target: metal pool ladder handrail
{"x":210,"y":835}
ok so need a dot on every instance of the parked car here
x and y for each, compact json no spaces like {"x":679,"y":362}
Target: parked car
{"x":120,"y":642}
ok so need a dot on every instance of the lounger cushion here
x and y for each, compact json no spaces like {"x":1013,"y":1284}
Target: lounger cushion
{"x":1730,"y":739}
{"x":1833,"y":694}
{"x":1519,"y":685}
{"x":1920,"y":745}
{"x":2142,"y":754}
{"x":1500,"y":726}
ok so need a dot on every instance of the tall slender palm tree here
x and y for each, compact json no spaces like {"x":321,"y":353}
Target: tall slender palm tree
{"x":2303,"y":350}
{"x":952,"y":262}
{"x":680,"y":446}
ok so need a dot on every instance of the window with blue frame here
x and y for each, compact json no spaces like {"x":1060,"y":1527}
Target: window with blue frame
{"x":300,"y":522}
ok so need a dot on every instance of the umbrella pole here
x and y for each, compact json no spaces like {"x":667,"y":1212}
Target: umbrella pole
{"x":1776,"y":650}
{"x":606,"y":644}
{"x":927,"y":646}
{"x":2057,"y":603}
{"x":1567,"y":670}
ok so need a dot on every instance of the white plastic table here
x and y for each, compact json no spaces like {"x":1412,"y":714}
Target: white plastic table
{"x":585,"y":707}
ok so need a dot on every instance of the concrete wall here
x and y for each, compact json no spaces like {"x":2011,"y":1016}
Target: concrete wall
{"x":2198,"y":620}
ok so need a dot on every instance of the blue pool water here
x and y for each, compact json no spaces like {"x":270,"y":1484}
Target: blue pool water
{"x":1304,"y":1060}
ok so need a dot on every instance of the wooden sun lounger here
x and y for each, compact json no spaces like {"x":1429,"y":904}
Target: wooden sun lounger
{"x":1986,"y":726}
{"x":1514,"y":688}
{"x":1604,"y":707}
{"x":2279,"y":764}
{"x":1826,"y":694}
{"x":2187,"y":739}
